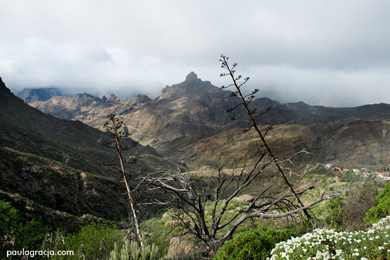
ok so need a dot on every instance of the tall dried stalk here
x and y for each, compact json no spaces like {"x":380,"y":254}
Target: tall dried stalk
{"x":115,"y":127}
{"x":245,"y":100}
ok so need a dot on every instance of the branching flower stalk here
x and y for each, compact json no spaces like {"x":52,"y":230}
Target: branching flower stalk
{"x":114,"y":127}
{"x":245,"y":100}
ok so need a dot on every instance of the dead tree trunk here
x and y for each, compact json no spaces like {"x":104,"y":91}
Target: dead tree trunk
{"x":113,"y":126}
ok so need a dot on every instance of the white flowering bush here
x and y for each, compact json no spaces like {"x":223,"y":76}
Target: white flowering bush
{"x":329,"y":244}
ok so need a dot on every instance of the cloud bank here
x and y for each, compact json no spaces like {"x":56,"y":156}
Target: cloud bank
{"x":321,"y":52}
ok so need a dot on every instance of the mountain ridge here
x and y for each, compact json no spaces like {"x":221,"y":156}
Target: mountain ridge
{"x":187,"y":125}
{"x":62,"y":164}
{"x":195,"y":106}
{"x":188,"y":113}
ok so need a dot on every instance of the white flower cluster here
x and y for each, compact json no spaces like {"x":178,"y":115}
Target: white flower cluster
{"x":329,"y":244}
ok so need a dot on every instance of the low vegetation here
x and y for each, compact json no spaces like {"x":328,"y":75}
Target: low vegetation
{"x":254,"y":240}
{"x":382,"y":208}
{"x":330,"y":244}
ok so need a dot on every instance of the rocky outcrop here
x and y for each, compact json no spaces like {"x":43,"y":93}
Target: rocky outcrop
{"x":113,"y":98}
{"x":184,"y":245}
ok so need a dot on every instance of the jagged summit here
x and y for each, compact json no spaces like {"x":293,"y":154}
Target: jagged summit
{"x":191,"y":85}
{"x":191,"y":77}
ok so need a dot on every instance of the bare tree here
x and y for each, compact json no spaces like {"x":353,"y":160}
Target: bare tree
{"x":188,"y":199}
{"x":118,"y":130}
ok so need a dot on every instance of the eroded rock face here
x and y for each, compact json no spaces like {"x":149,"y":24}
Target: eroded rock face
{"x":184,"y":245}
{"x":113,"y":98}
{"x":191,"y":77}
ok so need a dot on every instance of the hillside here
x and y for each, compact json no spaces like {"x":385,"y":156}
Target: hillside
{"x":354,"y":144}
{"x":52,"y":168}
{"x":60,"y":164}
{"x":188,"y":122}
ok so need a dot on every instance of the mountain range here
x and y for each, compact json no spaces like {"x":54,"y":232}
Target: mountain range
{"x":178,"y":122}
{"x":52,"y":157}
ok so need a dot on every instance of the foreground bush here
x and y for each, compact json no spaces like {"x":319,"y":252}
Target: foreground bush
{"x":252,"y":244}
{"x":383,"y":208}
{"x":94,"y":241}
{"x":329,"y":244}
{"x":16,"y":232}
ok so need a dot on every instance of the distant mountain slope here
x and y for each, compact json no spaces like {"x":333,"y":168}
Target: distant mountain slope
{"x":303,"y":114}
{"x":196,"y":108}
{"x":193,"y":106}
{"x":355,"y":144}
{"x":88,"y":108}
{"x":39,"y":94}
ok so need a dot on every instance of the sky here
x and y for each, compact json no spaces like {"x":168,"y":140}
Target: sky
{"x":321,"y":52}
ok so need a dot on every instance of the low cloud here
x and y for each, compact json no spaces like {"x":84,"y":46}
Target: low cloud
{"x":320,"y":52}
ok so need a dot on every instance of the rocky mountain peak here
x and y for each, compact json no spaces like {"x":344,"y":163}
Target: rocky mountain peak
{"x":113,"y":98}
{"x":191,"y":85}
{"x":191,"y":77}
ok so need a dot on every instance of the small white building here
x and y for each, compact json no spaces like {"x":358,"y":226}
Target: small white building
{"x":328,"y":165}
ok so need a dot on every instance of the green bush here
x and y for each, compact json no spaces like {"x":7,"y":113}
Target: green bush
{"x":17,"y":232}
{"x":158,"y":233}
{"x":382,"y":209}
{"x":359,"y":200}
{"x":255,"y":244}
{"x":334,"y":207}
{"x":94,"y":241}
{"x":348,"y":212}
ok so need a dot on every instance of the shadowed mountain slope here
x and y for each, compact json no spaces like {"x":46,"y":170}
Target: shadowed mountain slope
{"x":73,"y":133}
{"x":59,"y":164}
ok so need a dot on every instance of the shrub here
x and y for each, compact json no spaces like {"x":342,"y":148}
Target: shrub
{"x":356,"y":204}
{"x":94,"y":241}
{"x":348,"y":213}
{"x":329,"y":244}
{"x":252,"y":244}
{"x":335,"y":207}
{"x":383,"y":208}
{"x":18,"y":233}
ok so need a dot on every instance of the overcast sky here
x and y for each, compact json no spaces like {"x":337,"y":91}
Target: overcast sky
{"x":326,"y":52}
